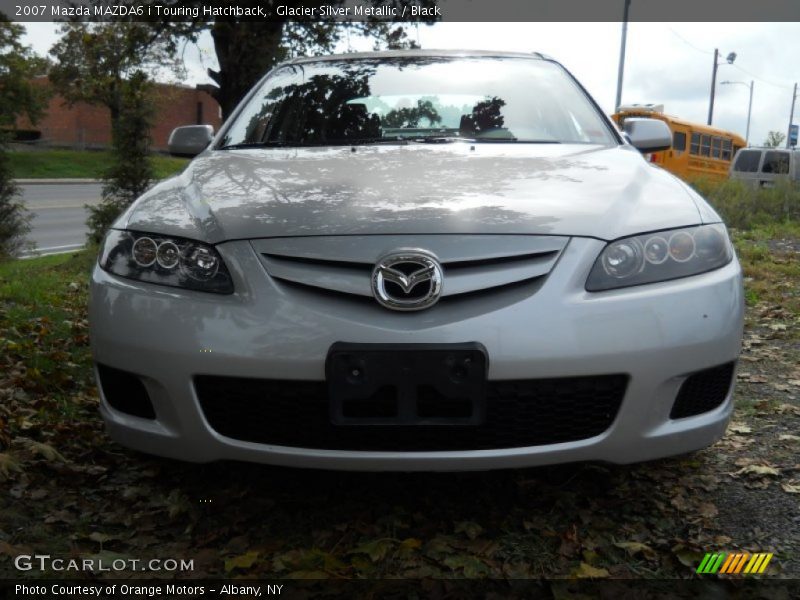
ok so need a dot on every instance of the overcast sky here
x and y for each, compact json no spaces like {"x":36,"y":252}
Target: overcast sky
{"x":666,"y":63}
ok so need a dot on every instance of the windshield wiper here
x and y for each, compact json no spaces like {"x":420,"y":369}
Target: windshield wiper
{"x":272,"y":144}
{"x":448,"y":139}
{"x":441,"y":139}
{"x":367,"y":141}
{"x":280,"y":144}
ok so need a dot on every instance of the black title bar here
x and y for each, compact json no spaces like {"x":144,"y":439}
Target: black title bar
{"x":403,"y":10}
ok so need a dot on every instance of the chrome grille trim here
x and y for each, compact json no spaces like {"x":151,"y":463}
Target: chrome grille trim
{"x":471,"y":263}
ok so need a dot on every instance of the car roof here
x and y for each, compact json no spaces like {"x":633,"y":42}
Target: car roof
{"x":770,"y":149}
{"x":419,"y":53}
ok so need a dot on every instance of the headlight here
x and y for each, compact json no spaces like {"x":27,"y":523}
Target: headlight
{"x":165,"y":260}
{"x":660,"y":256}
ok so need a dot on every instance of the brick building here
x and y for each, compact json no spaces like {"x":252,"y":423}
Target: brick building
{"x":83,"y":126}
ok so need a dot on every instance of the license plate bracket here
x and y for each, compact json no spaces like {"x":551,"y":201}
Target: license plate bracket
{"x":407,"y":384}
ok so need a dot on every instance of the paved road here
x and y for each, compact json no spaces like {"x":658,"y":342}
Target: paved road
{"x":59,"y":216}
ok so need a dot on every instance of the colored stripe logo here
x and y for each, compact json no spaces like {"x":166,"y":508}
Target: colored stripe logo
{"x":734,"y":563}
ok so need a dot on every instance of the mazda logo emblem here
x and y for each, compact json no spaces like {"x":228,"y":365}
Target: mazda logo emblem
{"x":407,"y":280}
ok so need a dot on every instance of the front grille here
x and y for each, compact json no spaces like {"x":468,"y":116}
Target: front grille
{"x":343,"y":265}
{"x":519,"y":413}
{"x":703,"y":391}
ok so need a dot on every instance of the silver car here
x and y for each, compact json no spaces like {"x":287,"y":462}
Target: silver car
{"x":418,"y":261}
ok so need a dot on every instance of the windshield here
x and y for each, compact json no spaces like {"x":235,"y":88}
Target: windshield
{"x":398,"y":100}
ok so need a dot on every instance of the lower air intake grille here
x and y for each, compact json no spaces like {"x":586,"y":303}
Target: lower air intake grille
{"x":703,"y":391}
{"x":125,"y":392}
{"x":519,"y":413}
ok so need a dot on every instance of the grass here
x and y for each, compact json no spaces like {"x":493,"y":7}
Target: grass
{"x":42,"y":312}
{"x":88,"y":164}
{"x":39,"y":281}
{"x":765,"y":227}
{"x":771,"y":269}
{"x":743,"y":206}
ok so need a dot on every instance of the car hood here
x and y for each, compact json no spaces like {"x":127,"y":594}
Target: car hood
{"x":550,"y":189}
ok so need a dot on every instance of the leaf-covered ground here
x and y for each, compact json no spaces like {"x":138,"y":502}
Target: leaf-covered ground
{"x":66,"y":490}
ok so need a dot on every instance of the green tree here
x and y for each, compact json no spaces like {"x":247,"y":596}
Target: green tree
{"x":113,"y":65}
{"x":411,"y":116}
{"x":775,"y":139}
{"x":94,"y":60}
{"x":131,"y":171}
{"x":246,"y":49}
{"x":18,"y":97}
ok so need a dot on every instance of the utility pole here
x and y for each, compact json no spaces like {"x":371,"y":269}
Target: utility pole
{"x":622,"y":55}
{"x":713,"y":86}
{"x":749,"y":111}
{"x":791,"y":117}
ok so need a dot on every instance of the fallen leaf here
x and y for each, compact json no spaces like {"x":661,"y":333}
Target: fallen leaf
{"x":8,"y":465}
{"x":634,"y":548}
{"x":791,"y":488}
{"x":762,"y":470}
{"x":46,"y":451}
{"x":722,"y":540}
{"x":470,"y":529}
{"x":243,"y":561}
{"x":376,"y":549}
{"x":587,"y":571}
{"x":410,"y":544}
{"x":708,"y":510}
{"x":471,"y":566}
{"x":686,"y":556}
{"x":740,"y":428}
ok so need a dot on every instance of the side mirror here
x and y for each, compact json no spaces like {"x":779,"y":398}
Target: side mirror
{"x":190,"y":141}
{"x":648,"y":135}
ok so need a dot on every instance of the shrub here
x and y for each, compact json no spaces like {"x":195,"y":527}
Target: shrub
{"x":131,"y":172}
{"x":14,"y":218}
{"x":744,"y":206}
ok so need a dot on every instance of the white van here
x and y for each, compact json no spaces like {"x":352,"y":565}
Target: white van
{"x":764,"y":166}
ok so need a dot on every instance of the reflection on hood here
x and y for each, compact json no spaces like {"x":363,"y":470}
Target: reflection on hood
{"x":580,"y":190}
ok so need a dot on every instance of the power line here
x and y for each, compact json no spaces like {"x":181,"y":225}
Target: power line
{"x":777,"y":85}
{"x":688,"y":43}
{"x":736,"y":66}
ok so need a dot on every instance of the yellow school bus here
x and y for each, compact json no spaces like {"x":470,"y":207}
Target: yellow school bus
{"x":698,"y":151}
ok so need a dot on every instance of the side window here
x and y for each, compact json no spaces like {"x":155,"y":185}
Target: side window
{"x":726,"y":149}
{"x":705,"y":146}
{"x":695,"y":147}
{"x":679,"y":141}
{"x":716,"y":147}
{"x":747,"y":161}
{"x":776,"y":163}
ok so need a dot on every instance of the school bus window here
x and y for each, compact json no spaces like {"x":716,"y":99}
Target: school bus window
{"x":695,"y":147}
{"x":705,"y":146}
{"x":726,"y":149}
{"x":716,"y":143}
{"x":679,"y":141}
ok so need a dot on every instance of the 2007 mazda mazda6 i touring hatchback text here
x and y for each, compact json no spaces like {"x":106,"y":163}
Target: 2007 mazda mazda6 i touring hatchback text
{"x":418,"y":261}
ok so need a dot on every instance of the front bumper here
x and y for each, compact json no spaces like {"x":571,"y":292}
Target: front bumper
{"x":657,"y":334}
